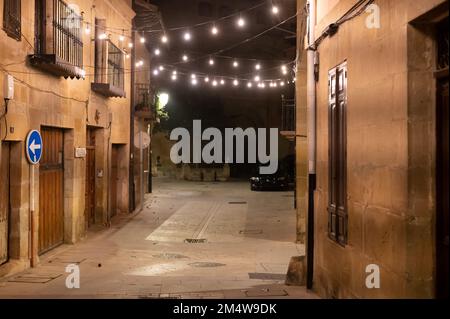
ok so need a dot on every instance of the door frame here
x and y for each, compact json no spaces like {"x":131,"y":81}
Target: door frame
{"x":8,"y":212}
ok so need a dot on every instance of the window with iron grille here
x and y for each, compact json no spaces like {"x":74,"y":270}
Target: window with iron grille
{"x":337,"y":208}
{"x":115,"y":66}
{"x":62,"y":37}
{"x":12,"y":18}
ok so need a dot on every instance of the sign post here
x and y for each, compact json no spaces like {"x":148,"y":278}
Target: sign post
{"x":34,"y":148}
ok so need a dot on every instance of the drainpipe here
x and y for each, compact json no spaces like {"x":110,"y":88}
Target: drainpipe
{"x":311,"y":110}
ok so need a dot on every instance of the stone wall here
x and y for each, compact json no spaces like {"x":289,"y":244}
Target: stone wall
{"x":42,"y":99}
{"x":390,"y":154}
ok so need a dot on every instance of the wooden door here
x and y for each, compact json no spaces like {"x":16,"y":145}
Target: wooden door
{"x":443,"y":192}
{"x":4,"y":202}
{"x":51,"y":190}
{"x":114,"y":178}
{"x":90,"y":178}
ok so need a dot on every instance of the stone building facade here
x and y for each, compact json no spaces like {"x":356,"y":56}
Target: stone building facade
{"x":71,"y":65}
{"x":381,"y":91}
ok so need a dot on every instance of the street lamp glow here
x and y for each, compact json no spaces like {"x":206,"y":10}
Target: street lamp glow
{"x":163,"y":99}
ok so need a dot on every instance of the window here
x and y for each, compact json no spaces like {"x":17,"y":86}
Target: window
{"x":58,"y":39}
{"x":12,"y":18}
{"x":205,"y":9}
{"x":109,"y":65}
{"x":337,"y":208}
{"x":115,"y":66}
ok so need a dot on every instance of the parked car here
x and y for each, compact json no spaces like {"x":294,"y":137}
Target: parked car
{"x":282,"y":180}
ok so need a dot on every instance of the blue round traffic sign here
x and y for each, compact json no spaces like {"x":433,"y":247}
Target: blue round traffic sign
{"x":34,"y":147}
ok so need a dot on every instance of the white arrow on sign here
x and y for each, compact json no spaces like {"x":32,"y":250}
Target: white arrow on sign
{"x":34,"y":147}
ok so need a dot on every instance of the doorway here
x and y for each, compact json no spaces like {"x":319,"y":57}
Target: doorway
{"x":51,"y":190}
{"x":90,"y":178}
{"x":114,"y":178}
{"x":4,"y":201}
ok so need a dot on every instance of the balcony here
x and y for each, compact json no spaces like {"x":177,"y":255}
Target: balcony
{"x":288,"y":118}
{"x":145,"y":106}
{"x":58,"y":46}
{"x":109,"y":79}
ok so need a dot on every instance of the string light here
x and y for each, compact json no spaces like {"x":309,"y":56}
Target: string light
{"x":235,"y":82}
{"x":157,"y":52}
{"x":164,"y":39}
{"x":275,"y":9}
{"x":235,"y":64}
{"x":207,"y":79}
{"x":241,"y":22}
{"x":142,"y":40}
{"x":185,"y":58}
{"x":174,"y":77}
{"x":187,"y":36}
{"x":222,"y":82}
{"x":211,"y":61}
{"x":121,"y":38}
{"x":214,"y":83}
{"x":257,"y":78}
{"x":193,"y":76}
{"x":249,"y":85}
{"x":156,"y":72}
{"x":127,"y":55}
{"x":258,"y":67}
{"x":130,"y":45}
{"x":102,"y":36}
{"x":214,"y":30}
{"x":194,"y":82}
{"x":161,"y":68}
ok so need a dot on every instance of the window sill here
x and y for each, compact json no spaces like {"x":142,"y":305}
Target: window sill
{"x":108,"y":90}
{"x":53,"y":64}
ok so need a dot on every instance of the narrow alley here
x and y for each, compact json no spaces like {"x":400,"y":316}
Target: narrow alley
{"x":193,"y":240}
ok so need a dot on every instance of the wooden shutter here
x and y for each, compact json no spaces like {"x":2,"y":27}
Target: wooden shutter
{"x":12,"y":19}
{"x":337,"y":103}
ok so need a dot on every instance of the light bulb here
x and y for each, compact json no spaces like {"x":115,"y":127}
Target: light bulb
{"x":249,"y":84}
{"x":187,"y":36}
{"x":275,"y":9}
{"x":235,"y":82}
{"x":214,"y":83}
{"x":87,"y":30}
{"x":164,"y":39}
{"x":121,"y":38}
{"x":185,"y":58}
{"x":157,"y":51}
{"x":174,"y":77}
{"x":142,"y":40}
{"x":211,"y":62}
{"x":194,"y":82}
{"x":103,"y":36}
{"x":156,"y":72}
{"x":241,"y":22}
{"x":130,"y":45}
{"x":193,"y":76}
{"x":235,"y":64}
{"x":257,"y":78}
{"x":222,"y":82}
{"x":214,"y":30}
{"x":161,"y":68}
{"x":174,"y":72}
{"x":258,"y":66}
{"x":207,"y":79}
{"x":127,"y":56}
{"x":282,"y":84}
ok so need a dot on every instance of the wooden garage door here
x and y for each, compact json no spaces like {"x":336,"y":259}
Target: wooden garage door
{"x":51,"y":191}
{"x":4,"y":202}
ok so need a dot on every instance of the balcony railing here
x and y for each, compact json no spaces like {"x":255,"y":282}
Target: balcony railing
{"x":59,"y":45}
{"x":109,"y":79}
{"x":145,"y":106}
{"x":288,"y":114}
